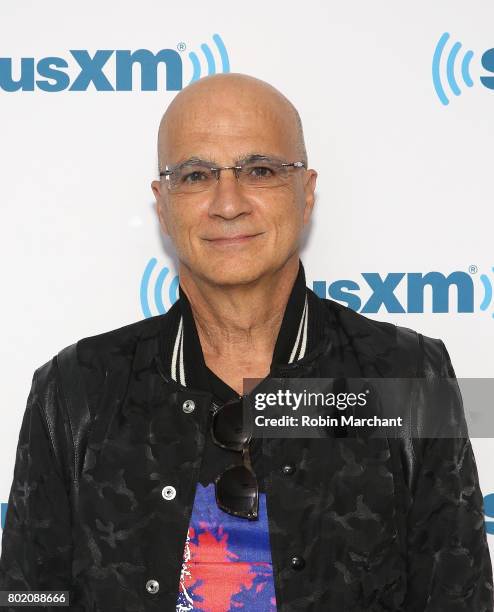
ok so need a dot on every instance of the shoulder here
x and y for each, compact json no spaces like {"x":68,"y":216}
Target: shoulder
{"x":109,"y":344}
{"x":402,"y":351}
{"x":93,"y":356}
{"x":67,"y":389}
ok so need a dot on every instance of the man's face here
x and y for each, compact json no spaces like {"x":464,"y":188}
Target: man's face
{"x":223,"y":127}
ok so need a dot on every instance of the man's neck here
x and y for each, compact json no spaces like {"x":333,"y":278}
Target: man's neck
{"x":239,"y":325}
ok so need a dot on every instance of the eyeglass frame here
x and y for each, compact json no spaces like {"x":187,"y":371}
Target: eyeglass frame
{"x":246,"y":462}
{"x":236,"y":168}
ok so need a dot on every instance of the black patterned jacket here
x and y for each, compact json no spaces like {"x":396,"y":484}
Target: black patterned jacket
{"x":382,"y":525}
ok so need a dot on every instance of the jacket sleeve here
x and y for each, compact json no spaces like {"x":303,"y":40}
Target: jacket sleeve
{"x":36,"y":541}
{"x":449,"y":566}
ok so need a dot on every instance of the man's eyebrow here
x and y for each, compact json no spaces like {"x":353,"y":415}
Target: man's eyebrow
{"x":250,"y":157}
{"x":193,"y":160}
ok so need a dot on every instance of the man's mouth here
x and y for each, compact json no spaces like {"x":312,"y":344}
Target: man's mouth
{"x":232,"y":240}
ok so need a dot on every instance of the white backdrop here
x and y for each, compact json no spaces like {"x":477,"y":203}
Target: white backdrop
{"x":79,"y":231}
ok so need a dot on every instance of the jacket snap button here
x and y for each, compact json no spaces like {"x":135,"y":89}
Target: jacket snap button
{"x":168,"y":492}
{"x":152,"y":586}
{"x":288,"y":469}
{"x":297,"y":562}
{"x":188,"y":406}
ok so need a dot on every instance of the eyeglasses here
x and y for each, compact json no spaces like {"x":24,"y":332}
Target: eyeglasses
{"x":236,"y":488}
{"x":195,"y":175}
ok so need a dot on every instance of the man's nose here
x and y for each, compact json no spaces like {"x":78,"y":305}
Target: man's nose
{"x":228,"y":197}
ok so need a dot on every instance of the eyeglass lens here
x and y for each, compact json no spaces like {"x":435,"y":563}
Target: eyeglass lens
{"x":228,"y":430}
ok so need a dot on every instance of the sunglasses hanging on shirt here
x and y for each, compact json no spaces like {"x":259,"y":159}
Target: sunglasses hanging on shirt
{"x":236,"y":488}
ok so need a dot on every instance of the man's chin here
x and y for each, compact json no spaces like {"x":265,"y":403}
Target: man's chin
{"x":232,"y":271}
{"x":231,"y":278}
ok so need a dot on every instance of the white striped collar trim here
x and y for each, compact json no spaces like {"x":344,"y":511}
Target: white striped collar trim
{"x":177,"y":364}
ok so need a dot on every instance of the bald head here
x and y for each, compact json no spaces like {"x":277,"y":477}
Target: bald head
{"x":228,"y":109}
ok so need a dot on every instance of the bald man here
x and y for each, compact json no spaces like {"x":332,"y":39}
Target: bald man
{"x":139,"y":486}
{"x":237,"y":247}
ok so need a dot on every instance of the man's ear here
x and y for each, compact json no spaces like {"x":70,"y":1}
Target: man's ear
{"x":310,"y":196}
{"x":156,"y":187}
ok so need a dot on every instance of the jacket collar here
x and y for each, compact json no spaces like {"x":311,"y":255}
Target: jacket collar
{"x":302,"y":336}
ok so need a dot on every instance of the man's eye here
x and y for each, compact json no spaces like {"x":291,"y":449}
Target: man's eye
{"x":261,"y":172}
{"x":194,"y":177}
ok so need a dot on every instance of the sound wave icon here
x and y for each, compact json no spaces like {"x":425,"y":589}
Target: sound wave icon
{"x":157,"y":290}
{"x":210,"y":61}
{"x":486,"y":282}
{"x":451,"y":61}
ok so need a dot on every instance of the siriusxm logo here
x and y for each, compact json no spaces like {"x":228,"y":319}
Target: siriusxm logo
{"x":452,"y":68}
{"x":108,"y":69}
{"x":415,"y":284}
{"x":155,"y":284}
